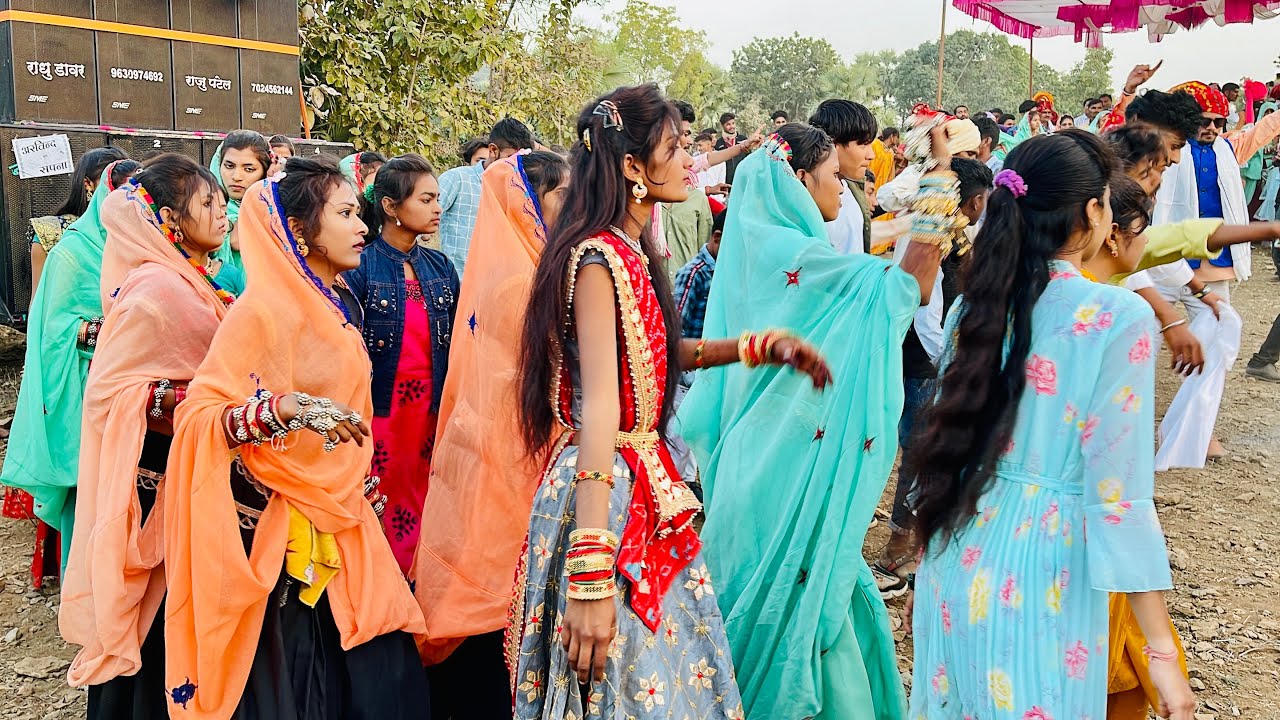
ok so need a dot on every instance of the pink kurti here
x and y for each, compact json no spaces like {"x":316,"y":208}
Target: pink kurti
{"x":405,"y":439}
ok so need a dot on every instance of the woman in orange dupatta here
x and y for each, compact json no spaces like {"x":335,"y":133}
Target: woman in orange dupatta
{"x":1129,"y":687}
{"x":161,"y":314}
{"x":310,"y":618}
{"x":482,"y":481}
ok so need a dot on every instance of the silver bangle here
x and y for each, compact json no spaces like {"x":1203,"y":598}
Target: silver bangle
{"x":157,"y":397}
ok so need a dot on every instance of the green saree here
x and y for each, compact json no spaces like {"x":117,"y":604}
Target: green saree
{"x":792,"y":476}
{"x":44,"y":448}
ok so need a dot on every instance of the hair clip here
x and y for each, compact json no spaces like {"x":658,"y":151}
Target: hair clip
{"x":777,"y":148}
{"x":1011,"y":181}
{"x":368,"y":192}
{"x":586,"y":138}
{"x":609,"y":111}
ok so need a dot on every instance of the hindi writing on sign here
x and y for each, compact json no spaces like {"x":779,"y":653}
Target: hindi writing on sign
{"x":43,"y":156}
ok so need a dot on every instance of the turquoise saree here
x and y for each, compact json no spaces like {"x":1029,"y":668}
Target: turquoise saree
{"x":792,"y":475}
{"x":231,"y":274}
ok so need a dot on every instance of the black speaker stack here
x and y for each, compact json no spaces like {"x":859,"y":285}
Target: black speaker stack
{"x":147,"y":76}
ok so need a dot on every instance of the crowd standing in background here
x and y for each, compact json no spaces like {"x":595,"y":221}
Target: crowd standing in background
{"x":329,"y":440}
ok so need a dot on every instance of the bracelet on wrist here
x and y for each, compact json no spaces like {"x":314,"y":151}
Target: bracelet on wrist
{"x":605,"y":478}
{"x":1156,"y":655}
{"x":1172,"y":325}
{"x":157,"y":398}
{"x":699,"y":362}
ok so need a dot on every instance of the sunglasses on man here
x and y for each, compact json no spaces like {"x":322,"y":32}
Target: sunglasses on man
{"x":1220,"y":122}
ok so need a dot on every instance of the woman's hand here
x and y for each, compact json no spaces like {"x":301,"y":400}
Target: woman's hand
{"x":589,"y":627}
{"x":803,"y":357}
{"x":1188,"y":356}
{"x":346,"y":431}
{"x":1177,"y":702}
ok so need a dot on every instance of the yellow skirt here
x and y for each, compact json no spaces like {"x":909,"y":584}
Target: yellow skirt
{"x":1129,"y":688}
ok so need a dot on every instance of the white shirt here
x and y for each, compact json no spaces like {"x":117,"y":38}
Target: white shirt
{"x":712,"y":176}
{"x":845,"y":232}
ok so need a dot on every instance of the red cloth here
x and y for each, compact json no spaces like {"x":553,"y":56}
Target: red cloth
{"x":46,"y":560}
{"x":717,"y":207}
{"x":405,"y":440}
{"x":1211,"y":101}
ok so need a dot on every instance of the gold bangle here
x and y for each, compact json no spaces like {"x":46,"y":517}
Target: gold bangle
{"x":598,"y":590}
{"x":594,"y":475}
{"x":593,"y":535}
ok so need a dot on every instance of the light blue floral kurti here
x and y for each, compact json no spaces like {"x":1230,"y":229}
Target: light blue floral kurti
{"x":1011,"y":614}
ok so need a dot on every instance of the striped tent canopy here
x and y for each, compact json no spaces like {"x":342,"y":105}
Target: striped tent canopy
{"x":1089,"y":21}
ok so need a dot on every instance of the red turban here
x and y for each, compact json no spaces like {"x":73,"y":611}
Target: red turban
{"x":1211,"y":101}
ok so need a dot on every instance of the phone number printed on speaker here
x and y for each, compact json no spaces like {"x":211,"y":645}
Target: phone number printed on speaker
{"x":49,"y":71}
{"x":136,"y":74}
{"x":268,"y":89}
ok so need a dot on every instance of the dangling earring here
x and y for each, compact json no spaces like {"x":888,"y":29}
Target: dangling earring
{"x":303,"y":250}
{"x":639,"y":191}
{"x":397,"y":222}
{"x":88,"y":194}
{"x":1115,"y":251}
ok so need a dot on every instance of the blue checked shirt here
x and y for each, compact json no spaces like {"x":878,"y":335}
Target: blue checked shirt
{"x":692,"y":286}
{"x":460,"y":200}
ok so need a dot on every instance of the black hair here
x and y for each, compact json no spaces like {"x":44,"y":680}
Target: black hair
{"x":726,"y":118}
{"x":282,"y":141}
{"x":252,"y":141}
{"x":1027,"y":106}
{"x":717,"y":221}
{"x":1090,"y":101}
{"x":511,"y":134}
{"x":889,"y":132}
{"x":396,"y":179}
{"x":779,"y":114}
{"x":123,"y":170}
{"x":809,"y":145}
{"x":704,"y":136}
{"x":997,"y":112}
{"x":173,"y":179}
{"x":845,"y":121}
{"x":687,"y":113}
{"x":1176,"y":112}
{"x":368,"y":157}
{"x":89,"y":167}
{"x":1134,"y":142}
{"x":1230,"y":86}
{"x":973,"y":419}
{"x":305,"y":189}
{"x":1130,"y":204}
{"x":546,"y":171}
{"x":1007,"y":118}
{"x":1107,"y":95}
{"x":974,"y":176}
{"x":598,"y":197}
{"x":988,"y":130}
{"x":470,"y":147}
{"x":956,"y":109}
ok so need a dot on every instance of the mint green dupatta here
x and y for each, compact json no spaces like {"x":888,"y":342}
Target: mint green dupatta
{"x":231,"y":275}
{"x":43,"y":457}
{"x":792,"y":476}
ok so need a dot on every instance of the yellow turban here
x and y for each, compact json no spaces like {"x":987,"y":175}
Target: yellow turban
{"x":962,"y":136}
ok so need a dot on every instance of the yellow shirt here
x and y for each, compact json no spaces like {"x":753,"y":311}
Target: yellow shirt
{"x":1187,"y":240}
{"x":882,"y":165}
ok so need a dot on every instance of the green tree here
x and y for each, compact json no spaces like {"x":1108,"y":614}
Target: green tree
{"x":650,"y":39}
{"x":1087,"y":78}
{"x":704,"y":85}
{"x":784,"y":73}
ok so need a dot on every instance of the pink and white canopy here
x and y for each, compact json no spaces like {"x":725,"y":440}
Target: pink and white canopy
{"x":1088,"y":21}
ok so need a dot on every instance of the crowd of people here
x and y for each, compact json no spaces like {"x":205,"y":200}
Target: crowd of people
{"x":332,"y":440}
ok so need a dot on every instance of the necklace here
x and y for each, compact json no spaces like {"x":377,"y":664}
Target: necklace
{"x":631,"y":242}
{"x":226,"y":297}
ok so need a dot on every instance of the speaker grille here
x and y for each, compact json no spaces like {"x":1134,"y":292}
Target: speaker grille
{"x":144,"y":147}
{"x":72,"y":8}
{"x":54,"y":75}
{"x":269,"y":20}
{"x":206,"y":86}
{"x":25,"y":199}
{"x":135,"y":81}
{"x":151,"y":13}
{"x":270,"y":93}
{"x":203,"y":16}
{"x":308,"y":148}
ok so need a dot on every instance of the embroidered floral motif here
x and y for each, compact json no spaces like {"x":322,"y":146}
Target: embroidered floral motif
{"x":183,"y":694}
{"x":651,"y":690}
{"x":1036,"y":713}
{"x":1111,"y":492}
{"x":700,"y":675}
{"x":1090,"y":317}
{"x":411,"y":390}
{"x":532,"y":686}
{"x":403,"y":522}
{"x":946,"y":618}
{"x":533,"y":624}
{"x":1042,"y":374}
{"x":1127,"y":399}
{"x":1050,"y":521}
{"x":699,"y":582}
{"x":1141,"y":350}
{"x":670,"y":631}
{"x":542,"y":551}
{"x":1001,"y":689}
{"x":970,"y":557}
{"x":941,"y":685}
{"x":793,"y":277}
{"x":979,"y":596}
{"x":1010,"y":596}
{"x":819,"y":434}
{"x":1077,"y":661}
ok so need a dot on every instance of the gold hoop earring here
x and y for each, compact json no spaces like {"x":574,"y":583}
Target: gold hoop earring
{"x":639,"y":191}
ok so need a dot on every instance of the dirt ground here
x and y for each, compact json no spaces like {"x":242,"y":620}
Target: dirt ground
{"x":1220,"y":522}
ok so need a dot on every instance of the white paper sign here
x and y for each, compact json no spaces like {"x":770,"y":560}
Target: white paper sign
{"x":43,"y":156}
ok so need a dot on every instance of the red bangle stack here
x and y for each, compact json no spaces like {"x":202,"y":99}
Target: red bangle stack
{"x":589,"y":565}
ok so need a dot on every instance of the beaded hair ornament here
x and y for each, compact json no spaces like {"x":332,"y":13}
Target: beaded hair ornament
{"x":775,"y":148}
{"x":608,"y":110}
{"x":919,"y":146}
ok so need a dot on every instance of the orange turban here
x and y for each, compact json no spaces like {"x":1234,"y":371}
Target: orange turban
{"x":1211,"y":101}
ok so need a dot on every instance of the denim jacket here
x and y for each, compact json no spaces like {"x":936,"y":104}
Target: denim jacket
{"x":378,"y":285}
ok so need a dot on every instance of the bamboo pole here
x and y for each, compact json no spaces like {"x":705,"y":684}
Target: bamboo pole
{"x":942,"y":46}
{"x":1031,"y":70}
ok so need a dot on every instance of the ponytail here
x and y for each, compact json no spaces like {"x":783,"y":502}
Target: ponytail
{"x":972,"y":423}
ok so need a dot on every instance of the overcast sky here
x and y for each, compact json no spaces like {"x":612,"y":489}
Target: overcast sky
{"x":1209,"y":53}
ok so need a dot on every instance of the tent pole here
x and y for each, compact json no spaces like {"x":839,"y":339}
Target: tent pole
{"x":942,"y":46}
{"x":1031,"y":70}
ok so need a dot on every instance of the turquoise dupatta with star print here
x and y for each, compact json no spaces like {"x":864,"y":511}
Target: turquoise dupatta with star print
{"x":792,"y":475}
